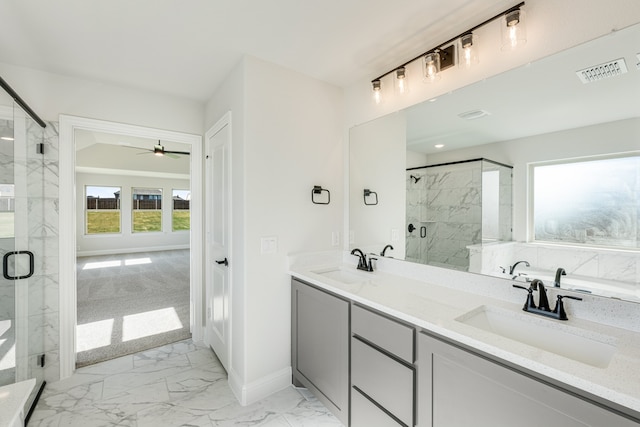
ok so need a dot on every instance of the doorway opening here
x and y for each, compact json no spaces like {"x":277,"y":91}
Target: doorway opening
{"x":132,"y":240}
{"x":136,"y":283}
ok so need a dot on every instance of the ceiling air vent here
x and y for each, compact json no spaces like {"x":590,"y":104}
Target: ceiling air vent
{"x":602,"y":71}
{"x":474,"y":114}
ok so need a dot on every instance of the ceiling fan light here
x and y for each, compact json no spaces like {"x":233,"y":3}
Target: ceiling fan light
{"x":158,"y":150}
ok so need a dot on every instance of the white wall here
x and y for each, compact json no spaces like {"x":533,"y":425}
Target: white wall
{"x":287,"y":137}
{"x":289,"y":149}
{"x":377,"y":159}
{"x":50,"y":95}
{"x":128,"y":242}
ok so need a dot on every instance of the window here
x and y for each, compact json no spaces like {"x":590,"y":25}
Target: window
{"x":102,"y":209}
{"x":180,"y":214}
{"x":147,"y":209}
{"x":594,"y":202}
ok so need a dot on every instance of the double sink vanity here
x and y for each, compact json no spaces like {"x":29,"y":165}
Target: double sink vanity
{"x":420,"y":346}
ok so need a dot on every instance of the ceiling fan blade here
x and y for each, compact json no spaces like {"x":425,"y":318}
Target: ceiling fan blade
{"x":173,"y":156}
{"x":186,"y":153}
{"x":136,"y":148}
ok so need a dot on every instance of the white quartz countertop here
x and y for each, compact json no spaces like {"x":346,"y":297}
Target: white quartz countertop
{"x":435,"y":308}
{"x":12,"y":400}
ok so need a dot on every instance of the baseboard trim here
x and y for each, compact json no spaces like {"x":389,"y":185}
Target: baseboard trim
{"x":258,"y":390}
{"x":131,"y":250}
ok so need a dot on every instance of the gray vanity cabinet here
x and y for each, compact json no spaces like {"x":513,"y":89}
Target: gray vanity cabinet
{"x":320,"y":346}
{"x":382,"y":370}
{"x":460,"y":388}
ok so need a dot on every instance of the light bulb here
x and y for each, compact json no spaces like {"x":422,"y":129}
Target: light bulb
{"x":377,"y":91}
{"x":402,"y":84}
{"x":468,"y":50}
{"x":513,"y":30}
{"x":431,"y":64}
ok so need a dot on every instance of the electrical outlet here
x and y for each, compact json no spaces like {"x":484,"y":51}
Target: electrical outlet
{"x":268,"y":245}
{"x":395,"y":235}
{"x":335,"y":238}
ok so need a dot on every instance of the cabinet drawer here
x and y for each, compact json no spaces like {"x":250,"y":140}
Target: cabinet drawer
{"x":385,"y":380}
{"x":391,"y":335}
{"x":366,"y":414}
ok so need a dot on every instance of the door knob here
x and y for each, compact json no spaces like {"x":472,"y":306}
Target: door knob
{"x":224,"y":261}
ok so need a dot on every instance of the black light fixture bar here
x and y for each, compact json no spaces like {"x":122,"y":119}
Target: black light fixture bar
{"x":21,"y":103}
{"x":470,"y":30}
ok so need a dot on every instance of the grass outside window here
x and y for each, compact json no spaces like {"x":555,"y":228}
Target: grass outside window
{"x":147,"y":221}
{"x":181,"y":220}
{"x":103,"y":222}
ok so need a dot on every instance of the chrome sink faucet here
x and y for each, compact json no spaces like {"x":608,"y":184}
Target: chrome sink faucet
{"x":362,"y":261}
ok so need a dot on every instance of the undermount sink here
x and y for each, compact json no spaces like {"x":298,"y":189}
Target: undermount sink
{"x":343,"y":275}
{"x":574,"y":343}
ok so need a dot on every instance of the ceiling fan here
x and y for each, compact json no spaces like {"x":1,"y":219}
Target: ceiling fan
{"x":159,"y":150}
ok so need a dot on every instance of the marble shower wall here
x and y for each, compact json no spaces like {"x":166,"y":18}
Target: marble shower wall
{"x":616,"y":271}
{"x":445,"y":207}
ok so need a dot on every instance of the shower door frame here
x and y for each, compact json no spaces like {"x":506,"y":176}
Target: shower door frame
{"x":23,"y":283}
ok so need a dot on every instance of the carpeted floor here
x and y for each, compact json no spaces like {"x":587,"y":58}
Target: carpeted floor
{"x":130,"y":303}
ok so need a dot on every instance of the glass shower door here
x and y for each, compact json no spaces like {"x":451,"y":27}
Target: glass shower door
{"x":22,"y":320}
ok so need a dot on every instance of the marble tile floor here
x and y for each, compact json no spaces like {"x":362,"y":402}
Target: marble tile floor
{"x":179,"y":384}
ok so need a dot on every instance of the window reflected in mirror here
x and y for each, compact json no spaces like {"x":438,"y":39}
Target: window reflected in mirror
{"x":592,"y":202}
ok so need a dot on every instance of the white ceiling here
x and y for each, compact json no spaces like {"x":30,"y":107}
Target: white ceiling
{"x":99,"y":152}
{"x":542,"y":97}
{"x":186,"y":48}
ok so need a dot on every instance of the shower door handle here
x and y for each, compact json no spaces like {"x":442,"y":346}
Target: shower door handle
{"x":5,"y":265}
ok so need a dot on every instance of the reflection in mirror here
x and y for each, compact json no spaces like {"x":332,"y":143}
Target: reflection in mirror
{"x":456,"y":205}
{"x":542,"y":114}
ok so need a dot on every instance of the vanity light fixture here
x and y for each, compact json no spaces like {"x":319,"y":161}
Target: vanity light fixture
{"x":7,"y":138}
{"x":514,"y":32}
{"x":442,"y":56}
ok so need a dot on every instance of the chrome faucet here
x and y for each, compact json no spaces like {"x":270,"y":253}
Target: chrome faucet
{"x":559,"y":273}
{"x":513,"y":268}
{"x":362,"y":261}
{"x":385,"y":249}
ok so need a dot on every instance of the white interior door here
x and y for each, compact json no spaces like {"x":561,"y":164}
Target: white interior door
{"x":218,"y":263}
